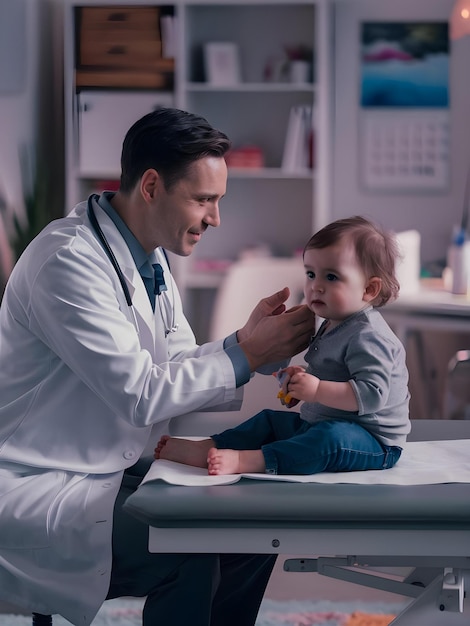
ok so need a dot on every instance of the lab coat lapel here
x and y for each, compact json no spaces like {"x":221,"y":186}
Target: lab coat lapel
{"x":142,"y":307}
{"x":151,"y":324}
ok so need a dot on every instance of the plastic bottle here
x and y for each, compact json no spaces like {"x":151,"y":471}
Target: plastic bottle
{"x":459,"y":263}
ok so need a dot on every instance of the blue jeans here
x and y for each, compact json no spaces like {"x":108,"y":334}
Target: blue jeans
{"x":291,"y":445}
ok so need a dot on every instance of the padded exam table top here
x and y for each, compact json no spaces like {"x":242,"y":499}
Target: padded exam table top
{"x":255,"y":504}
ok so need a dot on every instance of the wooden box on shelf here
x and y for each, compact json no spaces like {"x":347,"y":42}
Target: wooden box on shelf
{"x":121,"y":47}
{"x":130,"y":78}
{"x":117,"y":19}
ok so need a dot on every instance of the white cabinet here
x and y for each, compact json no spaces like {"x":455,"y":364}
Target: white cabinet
{"x":104,"y":118}
{"x":271,"y":205}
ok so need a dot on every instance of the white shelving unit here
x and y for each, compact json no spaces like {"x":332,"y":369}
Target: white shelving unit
{"x":263,"y":206}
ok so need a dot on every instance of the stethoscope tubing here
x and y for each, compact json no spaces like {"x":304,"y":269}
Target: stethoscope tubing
{"x":107,"y":248}
{"x":114,"y":262}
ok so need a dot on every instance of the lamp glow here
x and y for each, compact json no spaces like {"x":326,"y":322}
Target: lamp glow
{"x":459,"y":22}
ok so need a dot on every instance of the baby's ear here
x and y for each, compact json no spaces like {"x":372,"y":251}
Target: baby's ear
{"x":372,"y":289}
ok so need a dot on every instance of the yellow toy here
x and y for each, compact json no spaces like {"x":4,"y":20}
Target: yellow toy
{"x":285,"y":398}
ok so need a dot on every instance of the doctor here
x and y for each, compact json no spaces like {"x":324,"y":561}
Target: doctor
{"x":96,"y":357}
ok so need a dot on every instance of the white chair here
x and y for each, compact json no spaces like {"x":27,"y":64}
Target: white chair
{"x":246,"y":282}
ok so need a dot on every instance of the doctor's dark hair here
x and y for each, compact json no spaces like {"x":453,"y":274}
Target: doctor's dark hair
{"x":168,"y":140}
{"x":376,"y":251}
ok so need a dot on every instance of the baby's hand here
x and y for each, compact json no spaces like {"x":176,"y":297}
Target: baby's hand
{"x":286,"y":399}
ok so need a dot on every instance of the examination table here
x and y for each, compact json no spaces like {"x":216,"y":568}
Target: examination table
{"x":340,"y":530}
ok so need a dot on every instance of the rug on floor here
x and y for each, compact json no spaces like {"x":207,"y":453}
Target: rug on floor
{"x":128,"y":612}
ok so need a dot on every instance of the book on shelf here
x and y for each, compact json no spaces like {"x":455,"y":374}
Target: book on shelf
{"x":298,"y":146}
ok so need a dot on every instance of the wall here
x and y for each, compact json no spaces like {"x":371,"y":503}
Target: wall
{"x":30,"y":114}
{"x":19,"y":67}
{"x":433,"y":213}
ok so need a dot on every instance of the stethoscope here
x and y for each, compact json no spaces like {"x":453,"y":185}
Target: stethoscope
{"x":169,"y":328}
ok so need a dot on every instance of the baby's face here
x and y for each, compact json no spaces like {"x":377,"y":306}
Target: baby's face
{"x":335,"y":284}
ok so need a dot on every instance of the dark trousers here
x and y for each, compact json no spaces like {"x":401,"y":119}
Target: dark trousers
{"x":182,"y":589}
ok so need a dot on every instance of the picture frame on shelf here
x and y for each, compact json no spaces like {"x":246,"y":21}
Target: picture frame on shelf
{"x":222,"y":63}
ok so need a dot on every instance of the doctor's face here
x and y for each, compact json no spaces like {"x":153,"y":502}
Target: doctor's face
{"x":190,"y":206}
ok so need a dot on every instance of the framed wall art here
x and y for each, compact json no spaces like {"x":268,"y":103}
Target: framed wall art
{"x":404,"y":106}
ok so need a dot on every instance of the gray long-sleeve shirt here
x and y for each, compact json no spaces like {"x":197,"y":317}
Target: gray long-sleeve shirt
{"x":364,"y":351}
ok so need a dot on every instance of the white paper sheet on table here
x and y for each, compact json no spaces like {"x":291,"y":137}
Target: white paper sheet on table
{"x":421,"y":463}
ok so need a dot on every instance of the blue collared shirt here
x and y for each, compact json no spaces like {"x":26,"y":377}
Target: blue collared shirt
{"x":144,"y":265}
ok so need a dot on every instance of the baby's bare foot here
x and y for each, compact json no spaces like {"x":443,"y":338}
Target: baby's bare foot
{"x":226,"y":461}
{"x":160,"y":445}
{"x":186,"y":451}
{"x":223,"y":461}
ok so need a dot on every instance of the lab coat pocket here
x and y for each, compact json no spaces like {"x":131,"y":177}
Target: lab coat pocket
{"x":25,"y":500}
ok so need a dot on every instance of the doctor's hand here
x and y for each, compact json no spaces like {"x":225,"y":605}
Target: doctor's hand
{"x":271,"y":305}
{"x":277,"y":337}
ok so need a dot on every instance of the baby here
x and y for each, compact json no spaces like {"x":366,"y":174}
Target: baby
{"x":354,"y":388}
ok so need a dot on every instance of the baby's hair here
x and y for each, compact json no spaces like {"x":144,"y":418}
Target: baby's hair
{"x":376,"y":251}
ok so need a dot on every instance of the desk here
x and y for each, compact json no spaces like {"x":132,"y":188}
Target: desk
{"x":424,"y":526}
{"x":429,"y":309}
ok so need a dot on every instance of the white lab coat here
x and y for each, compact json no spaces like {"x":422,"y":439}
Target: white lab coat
{"x":80,"y":389}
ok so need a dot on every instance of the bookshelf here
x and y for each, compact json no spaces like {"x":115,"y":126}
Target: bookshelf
{"x":270,"y":205}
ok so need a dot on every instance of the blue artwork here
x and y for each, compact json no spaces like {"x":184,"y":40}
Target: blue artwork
{"x":405,"y":65}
